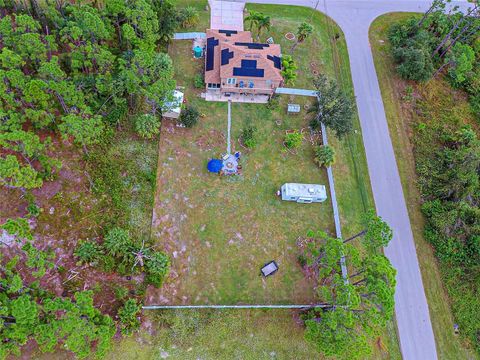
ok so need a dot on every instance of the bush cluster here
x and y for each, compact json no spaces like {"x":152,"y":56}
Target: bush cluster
{"x":248,"y":136}
{"x":293,"y":140}
{"x":147,"y":125}
{"x":189,"y":116}
{"x":127,"y":255}
{"x":324,"y":155}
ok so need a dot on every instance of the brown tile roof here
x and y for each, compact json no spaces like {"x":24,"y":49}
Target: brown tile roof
{"x":243,"y":53}
{"x":240,"y":53}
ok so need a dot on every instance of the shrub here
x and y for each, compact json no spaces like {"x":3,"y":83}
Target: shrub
{"x":189,"y":116}
{"x":198,"y":81}
{"x":293,"y":140}
{"x":289,"y":69}
{"x":462,"y":62}
{"x":128,"y":315}
{"x":18,"y":227}
{"x":147,"y":125}
{"x":117,"y":113}
{"x":324,"y":155}
{"x":33,"y":210}
{"x":475,"y":104}
{"x":120,"y":292}
{"x":273,"y":102}
{"x":248,"y":136}
{"x":119,"y":244}
{"x":408,"y":96}
{"x":157,"y":265}
{"x":88,"y":251}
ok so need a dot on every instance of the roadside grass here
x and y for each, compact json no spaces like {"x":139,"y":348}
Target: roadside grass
{"x":441,"y":99}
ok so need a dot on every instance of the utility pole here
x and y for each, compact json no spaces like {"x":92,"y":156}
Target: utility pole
{"x":315,"y":8}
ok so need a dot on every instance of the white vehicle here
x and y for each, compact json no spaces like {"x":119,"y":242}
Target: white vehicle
{"x":303,"y":193}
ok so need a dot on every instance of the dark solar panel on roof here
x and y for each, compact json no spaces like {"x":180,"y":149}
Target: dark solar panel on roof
{"x":248,"y":72}
{"x":226,"y":56}
{"x":277,"y":62}
{"x":253,"y":46}
{"x":228,"y":32}
{"x":249,"y":68}
{"x":249,"y":64}
{"x":211,"y":43}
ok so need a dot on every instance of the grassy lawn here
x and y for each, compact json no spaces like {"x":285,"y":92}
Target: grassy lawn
{"x":202,"y":218}
{"x":220,"y":231}
{"x":224,"y":229}
{"x":223,"y":334}
{"x":320,"y":53}
{"x":442,"y":99}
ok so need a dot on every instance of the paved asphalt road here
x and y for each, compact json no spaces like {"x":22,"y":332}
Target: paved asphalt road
{"x":417,"y":340}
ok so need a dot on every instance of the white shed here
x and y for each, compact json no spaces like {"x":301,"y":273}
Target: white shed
{"x":303,"y":193}
{"x":173,"y":108}
{"x":293,"y":108}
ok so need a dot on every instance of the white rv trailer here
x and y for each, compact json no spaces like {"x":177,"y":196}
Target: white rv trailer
{"x":303,"y":193}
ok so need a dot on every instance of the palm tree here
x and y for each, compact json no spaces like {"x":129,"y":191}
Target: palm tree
{"x":252,"y":19}
{"x":303,"y":32}
{"x":263,"y":23}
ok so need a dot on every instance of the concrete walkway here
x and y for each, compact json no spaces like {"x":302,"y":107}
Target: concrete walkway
{"x":417,"y":340}
{"x":189,"y":36}
{"x":300,"y":92}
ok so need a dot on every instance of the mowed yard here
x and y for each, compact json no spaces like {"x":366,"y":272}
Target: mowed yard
{"x":221,"y":230}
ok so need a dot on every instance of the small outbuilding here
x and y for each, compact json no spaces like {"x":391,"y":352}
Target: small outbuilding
{"x":172,"y":109}
{"x":269,"y":268}
{"x":303,"y":193}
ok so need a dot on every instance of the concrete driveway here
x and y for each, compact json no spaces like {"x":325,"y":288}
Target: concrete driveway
{"x":226,"y":15}
{"x":417,"y":340}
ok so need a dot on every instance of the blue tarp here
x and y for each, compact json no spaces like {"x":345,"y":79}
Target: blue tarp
{"x":215,"y":165}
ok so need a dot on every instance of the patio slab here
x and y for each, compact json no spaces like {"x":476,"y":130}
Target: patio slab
{"x":236,"y":98}
{"x":226,"y":15}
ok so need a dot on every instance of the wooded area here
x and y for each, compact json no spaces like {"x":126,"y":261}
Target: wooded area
{"x":447,"y":148}
{"x":76,"y":73}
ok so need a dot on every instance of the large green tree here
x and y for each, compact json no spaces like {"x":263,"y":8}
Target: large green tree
{"x":333,"y":107}
{"x":355,"y":306}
